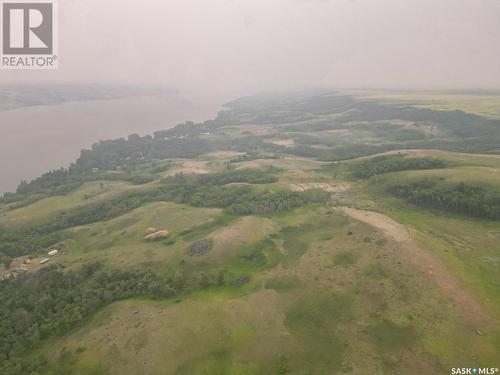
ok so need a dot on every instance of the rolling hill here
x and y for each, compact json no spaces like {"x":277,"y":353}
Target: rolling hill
{"x":309,"y":233}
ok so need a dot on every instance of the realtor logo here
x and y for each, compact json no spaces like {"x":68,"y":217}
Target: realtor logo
{"x":28,"y":34}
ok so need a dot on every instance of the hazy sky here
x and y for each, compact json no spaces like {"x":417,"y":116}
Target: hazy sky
{"x":244,"y":46}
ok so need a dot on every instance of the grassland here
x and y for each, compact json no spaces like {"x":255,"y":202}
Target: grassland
{"x":90,"y":192}
{"x":468,"y":246}
{"x":476,"y":103}
{"x":331,"y":295}
{"x":343,"y":298}
{"x":365,"y":283}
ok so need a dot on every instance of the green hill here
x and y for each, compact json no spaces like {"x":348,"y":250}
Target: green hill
{"x":314,"y":233}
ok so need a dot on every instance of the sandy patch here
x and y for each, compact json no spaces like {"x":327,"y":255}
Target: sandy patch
{"x":290,"y":163}
{"x":224,"y":154}
{"x":388,"y":226}
{"x":256,"y":130}
{"x":190,"y":167}
{"x":284,"y":142}
{"x":31,"y":267}
{"x":331,"y":188}
{"x":340,"y":131}
{"x":494,"y":234}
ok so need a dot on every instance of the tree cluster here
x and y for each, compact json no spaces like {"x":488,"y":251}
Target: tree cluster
{"x":216,"y":191}
{"x":393,"y":163}
{"x":462,"y":198}
{"x":50,"y":303}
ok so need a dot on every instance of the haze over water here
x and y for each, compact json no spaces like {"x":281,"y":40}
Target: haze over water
{"x":231,"y":48}
{"x":36,"y":139}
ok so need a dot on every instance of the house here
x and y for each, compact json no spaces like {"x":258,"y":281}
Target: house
{"x":44,"y":260}
{"x":53,"y":253}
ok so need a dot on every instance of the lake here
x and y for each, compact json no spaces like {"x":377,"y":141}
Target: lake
{"x":36,"y":139}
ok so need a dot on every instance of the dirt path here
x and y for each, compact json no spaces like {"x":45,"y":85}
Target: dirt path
{"x":390,"y":227}
{"x":436,"y":270}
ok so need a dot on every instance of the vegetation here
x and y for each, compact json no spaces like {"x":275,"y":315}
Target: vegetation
{"x":289,"y":283}
{"x":52,"y":302}
{"x":212,"y":191}
{"x":249,"y":156}
{"x":202,"y":191}
{"x":23,"y":241}
{"x":200,"y":247}
{"x":462,"y":198}
{"x":393,"y":163}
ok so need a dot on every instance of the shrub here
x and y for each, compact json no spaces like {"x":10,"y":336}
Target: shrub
{"x":200,"y":248}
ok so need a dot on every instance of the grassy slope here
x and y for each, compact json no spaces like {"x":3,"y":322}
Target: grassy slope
{"x":90,"y":192}
{"x":343,"y":299}
{"x":331,"y":295}
{"x":468,"y":246}
{"x":339,"y":302}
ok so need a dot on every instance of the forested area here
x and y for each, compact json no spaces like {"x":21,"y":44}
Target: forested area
{"x":462,"y":198}
{"x":393,"y":163}
{"x":50,"y":302}
{"x":213,"y":191}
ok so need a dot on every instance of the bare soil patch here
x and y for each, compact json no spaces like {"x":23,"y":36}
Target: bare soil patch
{"x":331,"y":188}
{"x":284,"y":142}
{"x":224,"y":154}
{"x":190,"y":167}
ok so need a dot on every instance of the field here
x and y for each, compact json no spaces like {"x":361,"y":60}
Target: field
{"x":328,"y":272}
{"x":345,"y":298}
{"x":90,"y":192}
{"x":477,"y":103}
{"x":468,"y":246}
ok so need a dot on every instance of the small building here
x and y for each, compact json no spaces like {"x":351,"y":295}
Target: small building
{"x":44,"y":260}
{"x":53,"y":253}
